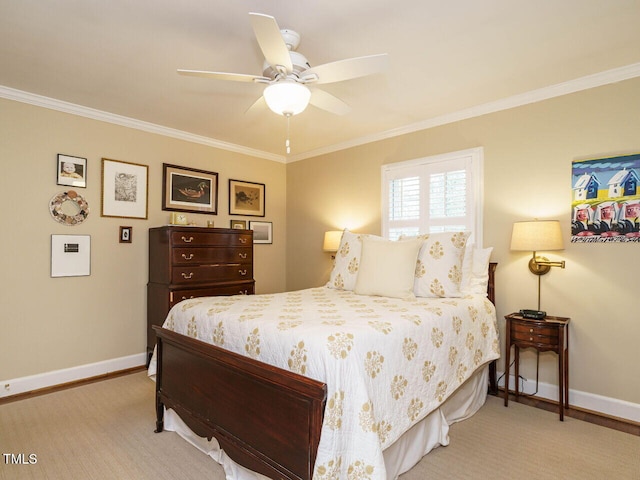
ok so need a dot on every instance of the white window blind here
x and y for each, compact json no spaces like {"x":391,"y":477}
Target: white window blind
{"x":433,"y":194}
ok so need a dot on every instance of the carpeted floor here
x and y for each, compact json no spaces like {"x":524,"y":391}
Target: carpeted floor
{"x":104,"y":430}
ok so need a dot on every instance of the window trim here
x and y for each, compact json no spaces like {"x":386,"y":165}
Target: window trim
{"x":476,"y":158}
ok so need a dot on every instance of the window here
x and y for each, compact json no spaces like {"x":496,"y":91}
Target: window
{"x":442,"y":193}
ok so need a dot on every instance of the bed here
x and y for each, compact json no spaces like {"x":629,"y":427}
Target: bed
{"x":338,"y":381}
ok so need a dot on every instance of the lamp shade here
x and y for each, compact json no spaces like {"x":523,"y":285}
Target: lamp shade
{"x":332,"y":240}
{"x":537,"y":235}
{"x":287,"y":97}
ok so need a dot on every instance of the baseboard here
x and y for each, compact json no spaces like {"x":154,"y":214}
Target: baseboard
{"x":611,"y":407}
{"x":33,"y":383}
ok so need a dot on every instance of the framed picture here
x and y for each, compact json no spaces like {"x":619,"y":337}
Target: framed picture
{"x":262,"y":232}
{"x":125,"y":189}
{"x":189,"y":190}
{"x":70,"y":255}
{"x":239,"y":224}
{"x":125,"y":234}
{"x":246,"y":198}
{"x":72,"y":171}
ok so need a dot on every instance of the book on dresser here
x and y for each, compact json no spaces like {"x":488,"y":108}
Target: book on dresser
{"x":190,"y":262}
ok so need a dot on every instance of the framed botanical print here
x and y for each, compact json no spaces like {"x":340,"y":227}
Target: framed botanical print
{"x":189,"y":190}
{"x":246,"y":198}
{"x":125,"y":189}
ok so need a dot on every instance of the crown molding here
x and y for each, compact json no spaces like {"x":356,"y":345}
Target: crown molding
{"x":82,"y":111}
{"x":572,"y":86}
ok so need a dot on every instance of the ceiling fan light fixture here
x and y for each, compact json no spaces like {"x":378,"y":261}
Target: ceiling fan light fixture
{"x":287,"y":98}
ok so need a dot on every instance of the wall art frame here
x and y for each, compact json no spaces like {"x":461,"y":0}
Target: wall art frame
{"x":125,"y":189}
{"x":70,"y":255}
{"x":238,"y":224}
{"x":605,"y":206}
{"x":71,"y":171}
{"x":126,"y":234}
{"x":262,"y":232}
{"x":246,"y":198}
{"x":187,"y":189}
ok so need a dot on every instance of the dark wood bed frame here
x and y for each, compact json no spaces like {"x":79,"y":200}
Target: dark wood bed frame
{"x":265,"y":418}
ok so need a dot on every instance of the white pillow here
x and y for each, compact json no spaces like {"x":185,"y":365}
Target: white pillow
{"x":477,"y":280}
{"x":438,"y":270}
{"x":347,"y":261}
{"x":387,"y":268}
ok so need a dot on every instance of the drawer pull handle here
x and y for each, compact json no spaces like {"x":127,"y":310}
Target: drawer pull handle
{"x":184,"y":298}
{"x":190,"y":275}
{"x":187,"y":240}
{"x":244,"y":292}
{"x":242,"y":272}
{"x":242,"y":255}
{"x":531,"y":330}
{"x":242,"y":240}
{"x":187,"y":258}
{"x":531,"y":339}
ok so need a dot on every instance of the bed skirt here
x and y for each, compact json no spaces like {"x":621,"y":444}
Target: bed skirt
{"x":400,"y":457}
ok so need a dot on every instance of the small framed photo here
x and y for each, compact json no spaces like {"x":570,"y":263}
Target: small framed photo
{"x":72,"y":171}
{"x":262,"y":232}
{"x":189,"y":190}
{"x":125,"y":189}
{"x":239,"y":224}
{"x":246,"y":198}
{"x":125,"y":234}
{"x":70,"y":255}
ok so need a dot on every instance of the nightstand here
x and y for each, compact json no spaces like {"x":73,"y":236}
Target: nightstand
{"x":548,"y":334}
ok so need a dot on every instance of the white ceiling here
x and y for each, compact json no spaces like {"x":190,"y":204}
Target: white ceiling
{"x":446,"y":57}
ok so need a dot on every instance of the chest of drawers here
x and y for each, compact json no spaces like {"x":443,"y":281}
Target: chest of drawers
{"x":189,"y":262}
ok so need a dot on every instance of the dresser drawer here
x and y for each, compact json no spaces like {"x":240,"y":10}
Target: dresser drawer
{"x":177,"y":296}
{"x":210,"y":239}
{"x":191,"y":255}
{"x":211,"y":273}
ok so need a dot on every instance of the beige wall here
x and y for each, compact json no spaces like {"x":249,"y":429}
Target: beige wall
{"x":527,"y":173}
{"x":58,"y":323}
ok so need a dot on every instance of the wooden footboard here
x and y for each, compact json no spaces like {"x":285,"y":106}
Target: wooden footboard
{"x":265,"y":418}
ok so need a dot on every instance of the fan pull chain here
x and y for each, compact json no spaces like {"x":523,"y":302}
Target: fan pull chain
{"x":287,"y":143}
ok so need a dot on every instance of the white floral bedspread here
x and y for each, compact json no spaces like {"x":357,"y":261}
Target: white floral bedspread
{"x":387,"y":362}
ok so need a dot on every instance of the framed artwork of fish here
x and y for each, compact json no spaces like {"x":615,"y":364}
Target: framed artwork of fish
{"x":189,"y":190}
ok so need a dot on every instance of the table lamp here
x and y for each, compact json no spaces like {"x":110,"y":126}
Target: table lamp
{"x":332,"y":241}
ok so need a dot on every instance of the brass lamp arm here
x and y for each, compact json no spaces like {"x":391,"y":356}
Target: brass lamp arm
{"x":542,"y":265}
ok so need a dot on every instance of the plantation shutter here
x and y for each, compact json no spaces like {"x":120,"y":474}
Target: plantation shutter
{"x":434,"y":194}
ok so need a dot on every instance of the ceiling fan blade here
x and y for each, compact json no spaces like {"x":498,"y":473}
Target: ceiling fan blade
{"x":346,"y":69}
{"x":235,"y":77}
{"x":271,"y":42}
{"x":328,"y":102}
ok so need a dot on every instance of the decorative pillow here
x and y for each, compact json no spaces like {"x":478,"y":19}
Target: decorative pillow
{"x":476,"y":280}
{"x":387,"y":267}
{"x":347,"y":261}
{"x":439,"y":267}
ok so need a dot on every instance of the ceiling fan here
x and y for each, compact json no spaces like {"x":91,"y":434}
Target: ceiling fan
{"x":286,"y":73}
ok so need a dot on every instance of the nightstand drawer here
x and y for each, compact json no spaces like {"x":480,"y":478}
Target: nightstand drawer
{"x":533,"y":340}
{"x":534,"y":334}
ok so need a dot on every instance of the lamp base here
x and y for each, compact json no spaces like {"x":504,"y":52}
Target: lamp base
{"x":538,"y":268}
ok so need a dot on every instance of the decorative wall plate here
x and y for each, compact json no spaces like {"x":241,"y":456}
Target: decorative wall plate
{"x":69,"y":208}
